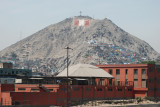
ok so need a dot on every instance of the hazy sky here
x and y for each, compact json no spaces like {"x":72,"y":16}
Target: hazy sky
{"x":21,"y":18}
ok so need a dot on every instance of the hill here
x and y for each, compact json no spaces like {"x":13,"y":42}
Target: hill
{"x":93,"y":41}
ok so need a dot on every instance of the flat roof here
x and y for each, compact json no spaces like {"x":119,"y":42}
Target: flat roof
{"x":124,"y":65}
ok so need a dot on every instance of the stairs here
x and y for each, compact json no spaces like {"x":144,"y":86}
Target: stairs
{"x":43,"y":89}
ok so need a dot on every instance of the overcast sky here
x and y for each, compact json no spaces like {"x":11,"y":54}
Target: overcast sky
{"x":21,"y":18}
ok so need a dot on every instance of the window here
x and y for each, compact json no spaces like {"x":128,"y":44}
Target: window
{"x":76,"y":89}
{"x":150,"y":69}
{"x":63,"y":89}
{"x":158,"y":80}
{"x":144,"y":83}
{"x":12,"y":72}
{"x":143,"y":71}
{"x":126,"y":82}
{"x":109,"y":89}
{"x":99,"y":89}
{"x":110,"y":71}
{"x":34,"y":89}
{"x":118,"y":83}
{"x":158,"y":70}
{"x":21,"y":89}
{"x":50,"y":89}
{"x":110,"y":82}
{"x":143,"y":80}
{"x":151,"y":80}
{"x":117,"y":71}
{"x":135,"y":71}
{"x":119,"y":89}
{"x":135,"y":82}
{"x":102,"y":82}
{"x":126,"y":71}
{"x":135,"y":79}
{"x":129,"y":89}
{"x":150,"y":89}
{"x":88,"y":89}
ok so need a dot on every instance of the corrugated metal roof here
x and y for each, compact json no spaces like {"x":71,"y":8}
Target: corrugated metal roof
{"x":84,"y":70}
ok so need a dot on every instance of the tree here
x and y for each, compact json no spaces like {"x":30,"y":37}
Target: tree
{"x":148,"y":62}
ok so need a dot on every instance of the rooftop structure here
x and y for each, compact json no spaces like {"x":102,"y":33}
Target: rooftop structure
{"x":6,"y":65}
{"x":85,"y":70}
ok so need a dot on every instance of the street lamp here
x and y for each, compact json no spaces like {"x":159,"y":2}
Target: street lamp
{"x":67,"y":71}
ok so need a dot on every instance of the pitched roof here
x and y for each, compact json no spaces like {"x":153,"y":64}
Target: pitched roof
{"x":84,"y":70}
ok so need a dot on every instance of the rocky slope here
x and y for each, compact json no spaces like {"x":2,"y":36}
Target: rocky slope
{"x":101,"y":42}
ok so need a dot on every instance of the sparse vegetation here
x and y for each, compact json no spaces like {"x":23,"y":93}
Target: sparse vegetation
{"x":154,"y":99}
{"x":148,"y":62}
{"x":138,"y":99}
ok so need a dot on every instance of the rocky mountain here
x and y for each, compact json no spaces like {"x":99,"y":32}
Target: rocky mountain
{"x":92,"y":41}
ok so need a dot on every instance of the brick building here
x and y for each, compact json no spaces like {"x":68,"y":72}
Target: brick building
{"x":145,"y":77}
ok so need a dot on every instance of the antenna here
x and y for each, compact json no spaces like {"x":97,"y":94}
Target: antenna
{"x":80,"y":13}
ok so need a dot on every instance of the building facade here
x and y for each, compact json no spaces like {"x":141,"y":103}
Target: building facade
{"x":145,"y":77}
{"x":6,"y":65}
{"x":8,"y":75}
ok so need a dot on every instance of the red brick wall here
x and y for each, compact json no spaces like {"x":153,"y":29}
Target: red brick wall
{"x":75,"y":93}
{"x":7,"y":87}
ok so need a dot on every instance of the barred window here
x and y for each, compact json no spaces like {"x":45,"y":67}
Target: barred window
{"x":99,"y":89}
{"x":76,"y":89}
{"x":21,"y":89}
{"x":158,"y":70}
{"x":126,"y":71}
{"x":109,"y":89}
{"x":151,"y":80}
{"x":88,"y":89}
{"x":150,"y":89}
{"x":63,"y":89}
{"x":143,"y":71}
{"x":119,"y":89}
{"x":34,"y":89}
{"x":50,"y":89}
{"x":110,"y":71}
{"x":129,"y":89}
{"x":158,"y":80}
{"x":117,"y":71}
{"x":126,"y":82}
{"x":150,"y":69}
{"x":136,"y":71}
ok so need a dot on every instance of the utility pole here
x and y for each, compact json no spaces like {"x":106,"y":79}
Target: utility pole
{"x":67,"y":71}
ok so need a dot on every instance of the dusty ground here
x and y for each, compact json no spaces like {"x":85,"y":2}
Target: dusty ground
{"x":121,"y":103}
